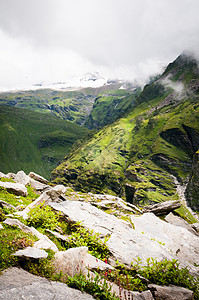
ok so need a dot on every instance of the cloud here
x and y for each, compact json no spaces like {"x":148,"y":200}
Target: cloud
{"x":120,"y":38}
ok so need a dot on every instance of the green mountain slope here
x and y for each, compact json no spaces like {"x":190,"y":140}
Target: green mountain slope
{"x":72,"y":106}
{"x":139,"y":155}
{"x":110,"y":106}
{"x":34,"y":141}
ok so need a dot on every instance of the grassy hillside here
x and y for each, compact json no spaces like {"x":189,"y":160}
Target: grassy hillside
{"x":109,"y":106}
{"x":72,"y":106}
{"x":138,"y":155}
{"x":34,"y":141}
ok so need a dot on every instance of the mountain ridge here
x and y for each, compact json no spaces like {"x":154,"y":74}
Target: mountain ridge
{"x":156,"y":137}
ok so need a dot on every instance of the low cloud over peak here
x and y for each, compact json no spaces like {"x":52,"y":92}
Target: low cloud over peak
{"x":125,"y":39}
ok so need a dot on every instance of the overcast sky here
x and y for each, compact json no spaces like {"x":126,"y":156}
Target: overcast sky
{"x":51,"y":40}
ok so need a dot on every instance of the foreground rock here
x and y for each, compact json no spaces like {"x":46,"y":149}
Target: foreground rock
{"x":77,"y":260}
{"x":31,"y":253}
{"x":177,"y":221}
{"x":163,"y":240}
{"x":162,"y":208}
{"x":18,"y":284}
{"x":170,"y":292}
{"x":183,"y":244}
{"x":15,"y":188}
{"x":124,"y":243}
{"x":38,"y":178}
{"x":52,"y":194}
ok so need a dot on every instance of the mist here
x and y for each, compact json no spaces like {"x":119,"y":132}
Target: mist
{"x":48,"y":40}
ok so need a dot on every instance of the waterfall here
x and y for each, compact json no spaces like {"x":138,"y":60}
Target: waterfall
{"x":181,"y":193}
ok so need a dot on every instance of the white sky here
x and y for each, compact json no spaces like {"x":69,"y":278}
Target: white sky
{"x":51,"y":40}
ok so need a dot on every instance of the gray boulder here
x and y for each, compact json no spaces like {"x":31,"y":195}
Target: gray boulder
{"x":31,"y":253}
{"x":18,"y":284}
{"x":170,"y":292}
{"x":52,"y":194}
{"x":183,"y":244}
{"x":15,"y":188}
{"x":38,"y":178}
{"x":22,"y":178}
{"x":177,"y":221}
{"x":124,"y":243}
{"x":195,"y":226}
{"x":71,"y":261}
{"x":162,"y":208}
{"x":152,"y":237}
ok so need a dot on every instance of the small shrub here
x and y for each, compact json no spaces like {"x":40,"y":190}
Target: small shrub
{"x":84,"y":237}
{"x":43,"y":216}
{"x":97,"y":286}
{"x":42,"y":267}
{"x":168,"y":272}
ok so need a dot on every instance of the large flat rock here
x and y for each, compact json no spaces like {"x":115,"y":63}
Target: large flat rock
{"x":125,"y":243}
{"x":15,"y":188}
{"x":18,"y":284}
{"x":151,"y":237}
{"x":178,"y":240}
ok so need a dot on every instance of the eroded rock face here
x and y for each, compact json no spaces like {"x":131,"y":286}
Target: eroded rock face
{"x":15,"y":188}
{"x":18,"y":284}
{"x":192,"y":191}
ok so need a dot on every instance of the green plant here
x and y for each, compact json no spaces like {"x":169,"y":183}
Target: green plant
{"x":42,"y":267}
{"x":43,"y":216}
{"x":97,"y":286}
{"x":168,"y":272}
{"x":84,"y":237}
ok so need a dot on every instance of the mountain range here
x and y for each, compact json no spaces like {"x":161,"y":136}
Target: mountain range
{"x":143,"y":155}
{"x":141,"y":143}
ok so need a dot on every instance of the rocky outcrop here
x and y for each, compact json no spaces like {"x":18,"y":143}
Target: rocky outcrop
{"x":16,"y":283}
{"x":162,"y":208}
{"x":192,"y":191}
{"x":35,"y":181}
{"x":180,"y":242}
{"x":15,"y":188}
{"x":38,"y":178}
{"x":170,"y":292}
{"x":177,"y":221}
{"x":163,"y":240}
{"x":22,"y":178}
{"x":52,"y":194}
